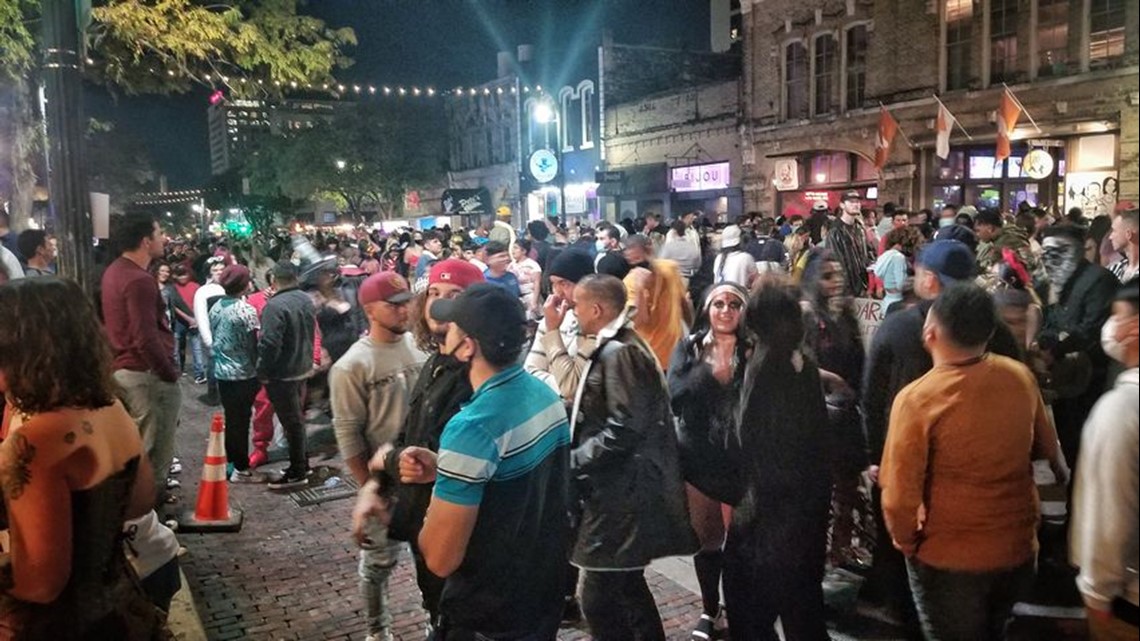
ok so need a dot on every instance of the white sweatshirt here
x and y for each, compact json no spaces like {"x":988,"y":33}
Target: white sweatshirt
{"x":1104,"y":540}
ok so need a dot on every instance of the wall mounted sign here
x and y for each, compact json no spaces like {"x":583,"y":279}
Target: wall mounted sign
{"x":543,"y":165}
{"x":700,"y":177}
{"x":1037,"y":164}
{"x":787,"y":174}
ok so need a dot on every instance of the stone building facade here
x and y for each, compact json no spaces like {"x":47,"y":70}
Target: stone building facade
{"x":816,"y":74}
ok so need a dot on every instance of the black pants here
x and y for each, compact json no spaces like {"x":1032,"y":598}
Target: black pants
{"x":286,"y":399}
{"x":755,"y":595}
{"x":618,"y":606}
{"x":237,"y":402}
{"x":431,"y":586}
{"x":162,"y":584}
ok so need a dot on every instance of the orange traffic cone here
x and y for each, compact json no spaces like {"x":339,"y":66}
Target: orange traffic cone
{"x":213,"y":512}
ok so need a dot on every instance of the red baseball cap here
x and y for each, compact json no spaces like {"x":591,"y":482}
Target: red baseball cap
{"x":389,"y":287}
{"x":454,"y":271}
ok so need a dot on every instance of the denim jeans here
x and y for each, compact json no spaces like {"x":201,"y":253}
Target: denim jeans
{"x":154,"y":405}
{"x":966,"y":606}
{"x":376,"y":566}
{"x":184,"y":336}
{"x":237,"y":402}
{"x":618,"y":606}
{"x":286,"y":399}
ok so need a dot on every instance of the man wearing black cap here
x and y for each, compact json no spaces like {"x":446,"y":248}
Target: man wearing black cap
{"x":848,"y":241}
{"x":895,"y":359}
{"x":557,"y":357}
{"x":497,"y":528}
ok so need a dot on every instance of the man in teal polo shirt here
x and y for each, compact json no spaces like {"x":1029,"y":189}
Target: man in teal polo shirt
{"x":497,"y":527}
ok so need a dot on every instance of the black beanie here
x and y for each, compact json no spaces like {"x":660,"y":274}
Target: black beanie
{"x":572,"y":265}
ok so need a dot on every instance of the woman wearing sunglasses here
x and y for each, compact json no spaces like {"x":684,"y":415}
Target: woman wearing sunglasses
{"x":705,"y":375}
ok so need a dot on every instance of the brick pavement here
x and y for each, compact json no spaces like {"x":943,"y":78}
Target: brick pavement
{"x":290,"y":573}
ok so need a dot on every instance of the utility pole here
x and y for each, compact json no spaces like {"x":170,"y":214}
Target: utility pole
{"x":67,"y":183}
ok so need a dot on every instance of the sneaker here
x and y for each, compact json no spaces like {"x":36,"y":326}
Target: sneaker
{"x":200,"y":379}
{"x":288,"y":480}
{"x":175,"y":467}
{"x":246,"y":476}
{"x":172,"y":484}
{"x":705,"y":630}
{"x":258,"y":458}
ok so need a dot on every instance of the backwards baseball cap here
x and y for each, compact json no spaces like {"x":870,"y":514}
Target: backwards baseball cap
{"x":389,"y":287}
{"x":454,"y":271}
{"x":951,"y":260}
{"x":486,"y":312}
{"x":819,"y":206}
{"x":234,"y":279}
{"x":852,"y":195}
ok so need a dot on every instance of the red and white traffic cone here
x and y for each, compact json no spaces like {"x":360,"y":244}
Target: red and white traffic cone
{"x":212,"y":512}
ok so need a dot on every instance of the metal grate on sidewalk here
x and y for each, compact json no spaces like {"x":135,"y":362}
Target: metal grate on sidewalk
{"x":331,"y":489}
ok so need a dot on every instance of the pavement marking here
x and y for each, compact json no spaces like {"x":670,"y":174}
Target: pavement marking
{"x":184,"y":622}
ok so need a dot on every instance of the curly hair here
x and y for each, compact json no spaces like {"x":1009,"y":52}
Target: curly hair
{"x":53,"y":352}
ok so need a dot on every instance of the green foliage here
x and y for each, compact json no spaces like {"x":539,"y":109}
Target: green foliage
{"x":364,"y":158}
{"x":168,"y":46}
{"x":17,"y":44}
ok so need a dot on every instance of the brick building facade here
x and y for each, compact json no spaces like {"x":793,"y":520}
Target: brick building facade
{"x":815,"y":74}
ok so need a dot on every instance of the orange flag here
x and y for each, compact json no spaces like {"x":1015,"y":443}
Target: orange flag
{"x":888,"y":127}
{"x":1007,"y":116}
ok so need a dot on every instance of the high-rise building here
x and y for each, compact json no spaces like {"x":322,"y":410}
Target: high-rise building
{"x":237,"y":125}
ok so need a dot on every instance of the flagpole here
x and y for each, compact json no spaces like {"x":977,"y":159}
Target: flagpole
{"x":1022,"y":107}
{"x":898,"y":127}
{"x":956,"y":121}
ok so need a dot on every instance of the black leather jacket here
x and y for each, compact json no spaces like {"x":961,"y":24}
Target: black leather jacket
{"x":442,"y":387}
{"x":626,"y":462}
{"x":285,"y":349}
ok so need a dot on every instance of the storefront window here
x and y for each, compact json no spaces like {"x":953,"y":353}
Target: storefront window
{"x":984,"y":196}
{"x":865,"y":170}
{"x":830,"y":168}
{"x":954,"y":167}
{"x":984,"y":167}
{"x":947,"y":195}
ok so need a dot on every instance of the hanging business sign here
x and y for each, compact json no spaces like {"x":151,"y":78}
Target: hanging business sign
{"x":543,"y":165}
{"x":466,"y":202}
{"x":787,"y":174}
{"x":1037,"y":164}
{"x":700,"y":177}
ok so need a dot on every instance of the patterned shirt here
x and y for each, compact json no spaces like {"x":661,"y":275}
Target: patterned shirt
{"x":234,"y":325}
{"x":1121,"y":270}
{"x":849,"y":245}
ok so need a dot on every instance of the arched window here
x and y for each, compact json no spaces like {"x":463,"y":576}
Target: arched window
{"x":826,"y":64}
{"x":856,"y":66}
{"x":565,"y":113}
{"x":586,"y":95}
{"x":796,"y":86}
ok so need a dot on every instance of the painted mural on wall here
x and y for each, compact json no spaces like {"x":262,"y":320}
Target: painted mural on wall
{"x":1095,"y":192}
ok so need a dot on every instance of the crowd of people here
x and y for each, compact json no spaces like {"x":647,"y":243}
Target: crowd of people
{"x":540,"y":413}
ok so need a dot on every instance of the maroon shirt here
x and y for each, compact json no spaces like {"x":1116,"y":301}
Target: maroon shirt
{"x":134,"y":316}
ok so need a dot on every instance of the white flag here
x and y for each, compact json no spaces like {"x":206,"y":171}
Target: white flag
{"x":943,"y":127}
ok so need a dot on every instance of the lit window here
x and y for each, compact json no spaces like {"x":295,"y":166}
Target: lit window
{"x":1003,"y":40}
{"x":1052,"y":37}
{"x":856,"y":66}
{"x":1106,"y":30}
{"x":796,"y":81}
{"x":959,"y":32}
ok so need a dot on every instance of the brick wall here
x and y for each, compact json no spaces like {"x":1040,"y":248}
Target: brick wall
{"x":633,"y":72}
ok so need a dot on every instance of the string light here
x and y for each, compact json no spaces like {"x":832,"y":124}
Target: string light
{"x":403,"y":92}
{"x":415,"y":91}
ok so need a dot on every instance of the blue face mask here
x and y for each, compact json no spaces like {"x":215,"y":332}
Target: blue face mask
{"x":600,"y":245}
{"x":945,"y":222}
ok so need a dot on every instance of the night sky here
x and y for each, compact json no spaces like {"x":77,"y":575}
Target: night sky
{"x":441,"y":43}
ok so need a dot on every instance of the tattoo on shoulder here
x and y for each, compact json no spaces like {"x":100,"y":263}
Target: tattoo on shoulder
{"x":16,"y":475}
